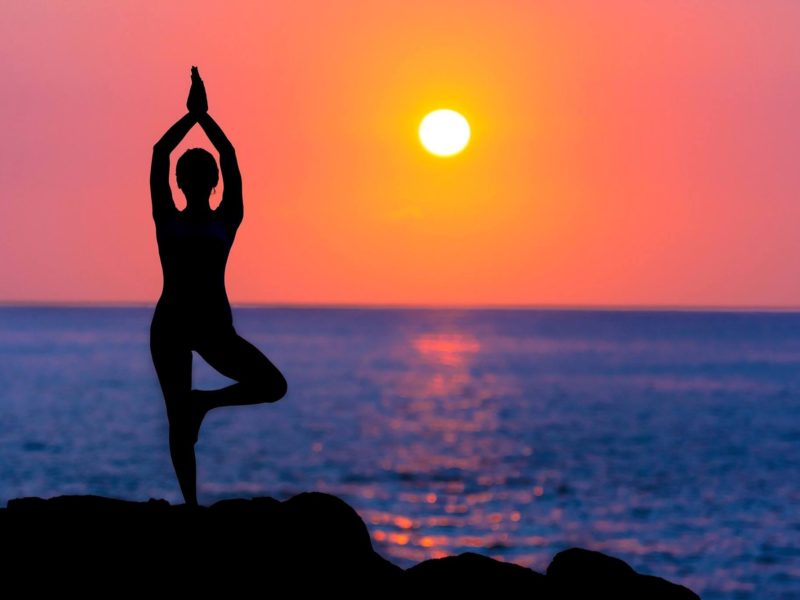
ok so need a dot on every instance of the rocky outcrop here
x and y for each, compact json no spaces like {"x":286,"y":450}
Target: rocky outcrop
{"x":312,"y":543}
{"x":578,"y":573}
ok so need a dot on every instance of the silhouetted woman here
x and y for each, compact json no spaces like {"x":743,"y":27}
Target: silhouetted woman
{"x":193,"y":312}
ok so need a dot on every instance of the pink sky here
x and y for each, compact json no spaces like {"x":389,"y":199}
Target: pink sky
{"x":623,"y":153}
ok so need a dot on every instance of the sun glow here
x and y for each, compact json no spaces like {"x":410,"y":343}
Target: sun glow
{"x":444,"y":132}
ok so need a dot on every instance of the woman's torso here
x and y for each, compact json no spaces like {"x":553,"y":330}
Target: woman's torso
{"x":194,"y":251}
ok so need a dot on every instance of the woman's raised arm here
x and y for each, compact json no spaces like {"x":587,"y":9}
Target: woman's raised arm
{"x":231,"y":205}
{"x":160,"y":192}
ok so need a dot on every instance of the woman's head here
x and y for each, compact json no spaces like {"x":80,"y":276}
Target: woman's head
{"x":197,"y":172}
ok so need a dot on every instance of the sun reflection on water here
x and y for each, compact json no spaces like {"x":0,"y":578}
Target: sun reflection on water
{"x":448,"y":349}
{"x":455,"y":471}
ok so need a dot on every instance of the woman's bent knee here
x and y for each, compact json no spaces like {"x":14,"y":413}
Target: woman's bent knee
{"x":272,"y":387}
{"x":278,"y":388}
{"x":268,"y":387}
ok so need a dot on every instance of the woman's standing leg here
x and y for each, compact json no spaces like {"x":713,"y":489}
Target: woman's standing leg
{"x":173,"y":363}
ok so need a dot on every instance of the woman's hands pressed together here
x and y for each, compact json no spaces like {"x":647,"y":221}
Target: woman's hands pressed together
{"x":197,"y":103}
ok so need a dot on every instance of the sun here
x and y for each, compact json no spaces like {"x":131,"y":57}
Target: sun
{"x":444,"y":132}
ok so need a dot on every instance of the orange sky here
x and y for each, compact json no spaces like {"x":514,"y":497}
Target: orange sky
{"x":623,"y":153}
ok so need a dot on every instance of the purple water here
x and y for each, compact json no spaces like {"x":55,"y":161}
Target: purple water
{"x":668,"y":439}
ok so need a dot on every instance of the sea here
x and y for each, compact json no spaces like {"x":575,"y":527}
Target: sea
{"x":669,"y":439}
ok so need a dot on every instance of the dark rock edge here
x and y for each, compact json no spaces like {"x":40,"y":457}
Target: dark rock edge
{"x":311,"y":541}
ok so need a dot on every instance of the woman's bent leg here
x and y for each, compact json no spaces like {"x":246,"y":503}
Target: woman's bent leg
{"x":173,"y":363}
{"x":258,"y":379}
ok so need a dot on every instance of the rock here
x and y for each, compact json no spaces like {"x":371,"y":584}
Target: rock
{"x":468,"y":572}
{"x":578,"y":573}
{"x":87,"y":542}
{"x":310,"y":543}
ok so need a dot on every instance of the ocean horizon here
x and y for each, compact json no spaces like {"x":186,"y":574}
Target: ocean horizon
{"x":667,"y":437}
{"x":289,"y":305}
